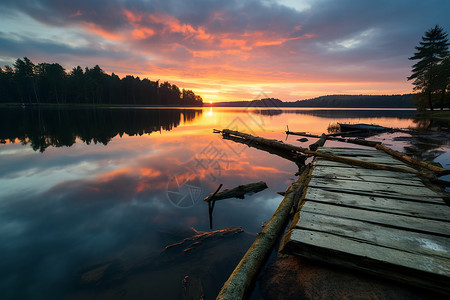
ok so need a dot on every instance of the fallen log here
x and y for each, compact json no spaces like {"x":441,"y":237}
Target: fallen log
{"x":250,"y":140}
{"x":410,"y":160}
{"x":319,"y":143}
{"x":238,"y":192}
{"x":240,"y":282}
{"x":194,"y":241}
{"x":293,"y":156}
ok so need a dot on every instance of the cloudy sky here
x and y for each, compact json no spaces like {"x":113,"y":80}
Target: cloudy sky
{"x":230,"y":50}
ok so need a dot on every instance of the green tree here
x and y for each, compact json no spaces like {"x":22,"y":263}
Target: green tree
{"x":432,"y":50}
{"x":25,"y":79}
{"x":51,"y":82}
{"x":443,"y":82}
{"x":76,"y":86}
{"x":7,"y":88}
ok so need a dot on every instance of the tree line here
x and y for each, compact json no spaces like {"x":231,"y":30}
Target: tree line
{"x":29,"y":83}
{"x":431,"y":73}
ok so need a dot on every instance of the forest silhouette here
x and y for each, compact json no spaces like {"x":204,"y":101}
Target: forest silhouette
{"x":29,"y":83}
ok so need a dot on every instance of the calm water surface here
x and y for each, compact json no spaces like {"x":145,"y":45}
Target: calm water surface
{"x":90,"y":198}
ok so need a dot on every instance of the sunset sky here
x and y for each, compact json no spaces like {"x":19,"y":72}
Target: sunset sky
{"x":230,"y":50}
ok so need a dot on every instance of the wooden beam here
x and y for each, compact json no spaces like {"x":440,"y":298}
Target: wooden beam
{"x":412,"y":161}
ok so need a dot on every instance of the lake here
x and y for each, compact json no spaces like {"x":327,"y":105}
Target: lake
{"x":91,"y":198}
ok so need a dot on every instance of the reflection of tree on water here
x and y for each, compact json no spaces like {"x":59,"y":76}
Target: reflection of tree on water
{"x":434,"y":124}
{"x":61,"y":127}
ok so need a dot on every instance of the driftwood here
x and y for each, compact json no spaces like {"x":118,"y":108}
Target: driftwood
{"x":407,"y":159}
{"x":238,"y":192}
{"x":293,"y":156}
{"x":194,"y":241}
{"x":320,"y":142}
{"x":266,"y":145}
{"x":211,"y":203}
{"x":333,"y":138}
{"x":240,"y":282}
{"x":250,"y":139}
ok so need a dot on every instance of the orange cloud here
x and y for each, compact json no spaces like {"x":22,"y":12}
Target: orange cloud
{"x":113,"y":174}
{"x":142,"y":33}
{"x":131,"y":17}
{"x":281,"y":41}
{"x":95,"y":29}
{"x":232,"y":43}
{"x":148,"y":172}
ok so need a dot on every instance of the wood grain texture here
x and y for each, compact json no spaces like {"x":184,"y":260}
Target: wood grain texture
{"x":379,"y":221}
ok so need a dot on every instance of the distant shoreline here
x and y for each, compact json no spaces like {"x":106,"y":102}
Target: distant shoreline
{"x":329,"y":101}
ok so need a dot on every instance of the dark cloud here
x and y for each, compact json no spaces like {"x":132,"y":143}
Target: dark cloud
{"x":331,"y":40}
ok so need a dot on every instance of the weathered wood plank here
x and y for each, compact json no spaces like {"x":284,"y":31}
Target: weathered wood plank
{"x":329,"y":163}
{"x":382,"y":222}
{"x":376,"y":160}
{"x":369,"y":151}
{"x":427,"y":271}
{"x":373,"y":194}
{"x":374,"y":217}
{"x":386,"y":189}
{"x":370,"y":158}
{"x":389,"y":237}
{"x":346,"y":174}
{"x":425,"y":210}
{"x":357,"y":152}
{"x":323,"y":171}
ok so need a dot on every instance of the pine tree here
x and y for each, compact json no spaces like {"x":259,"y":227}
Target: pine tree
{"x":432,"y":50}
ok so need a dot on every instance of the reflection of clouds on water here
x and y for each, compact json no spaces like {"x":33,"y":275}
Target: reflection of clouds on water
{"x":70,"y":207}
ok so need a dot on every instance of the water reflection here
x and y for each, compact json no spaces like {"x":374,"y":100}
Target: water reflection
{"x":92,"y":221}
{"x":42,"y":128}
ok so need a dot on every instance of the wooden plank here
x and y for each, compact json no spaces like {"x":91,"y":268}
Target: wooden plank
{"x":357,"y":152}
{"x":386,"y":219}
{"x":382,"y":222}
{"x":401,"y":207}
{"x":404,"y":240}
{"x":349,"y":174}
{"x":385,"y":189}
{"x":365,"y":149}
{"x":372,"y":194}
{"x":353,"y":246}
{"x":326,"y":163}
{"x":423,"y":270}
{"x":376,"y":160}
{"x":322,"y":171}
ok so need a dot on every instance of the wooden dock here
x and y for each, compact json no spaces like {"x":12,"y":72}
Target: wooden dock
{"x":381,"y":222}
